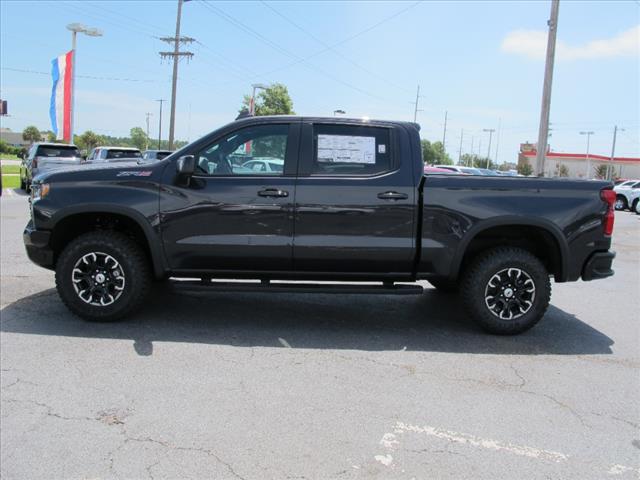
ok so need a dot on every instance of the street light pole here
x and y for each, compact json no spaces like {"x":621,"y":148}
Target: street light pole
{"x":252,"y":105}
{"x":92,"y":32}
{"x":490,"y":130}
{"x":588,"y":134}
{"x":160,"y":123}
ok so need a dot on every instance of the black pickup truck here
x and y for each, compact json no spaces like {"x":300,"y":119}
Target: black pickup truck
{"x":280,"y":199}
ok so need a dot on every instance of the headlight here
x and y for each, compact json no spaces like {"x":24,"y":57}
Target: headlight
{"x":39,"y":191}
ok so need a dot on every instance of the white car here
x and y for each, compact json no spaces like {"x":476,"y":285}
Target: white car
{"x":114,"y":154}
{"x":633,"y":199}
{"x":270,"y":165}
{"x":626,"y":193}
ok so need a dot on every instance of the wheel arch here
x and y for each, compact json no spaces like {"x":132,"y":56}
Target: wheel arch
{"x":76,"y":220}
{"x":540,"y":237}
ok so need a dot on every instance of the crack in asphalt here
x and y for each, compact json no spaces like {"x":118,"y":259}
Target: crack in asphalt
{"x":109,"y":418}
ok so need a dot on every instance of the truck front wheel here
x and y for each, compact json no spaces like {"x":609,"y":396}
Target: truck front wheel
{"x":102,"y":276}
{"x":506,"y":290}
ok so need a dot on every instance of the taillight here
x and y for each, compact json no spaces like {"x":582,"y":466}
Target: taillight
{"x":609,"y":197}
{"x":34,"y":163}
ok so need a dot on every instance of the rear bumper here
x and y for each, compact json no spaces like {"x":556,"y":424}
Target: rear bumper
{"x":598,"y":266}
{"x":36,"y":242}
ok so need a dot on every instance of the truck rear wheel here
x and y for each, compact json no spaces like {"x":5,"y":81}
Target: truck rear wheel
{"x":506,"y":290}
{"x":102,"y":276}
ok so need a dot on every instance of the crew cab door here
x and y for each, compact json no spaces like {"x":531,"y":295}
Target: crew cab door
{"x":355,"y":200}
{"x":229,"y":217}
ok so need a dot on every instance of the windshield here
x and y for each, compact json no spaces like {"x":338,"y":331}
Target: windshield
{"x":55,"y":151}
{"x":124,"y":154}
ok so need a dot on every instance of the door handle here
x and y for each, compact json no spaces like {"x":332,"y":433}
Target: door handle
{"x":273,"y":192}
{"x":392,"y":196}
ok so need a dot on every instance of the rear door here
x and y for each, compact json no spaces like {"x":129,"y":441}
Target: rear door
{"x":355,"y":200}
{"x":229,"y":217}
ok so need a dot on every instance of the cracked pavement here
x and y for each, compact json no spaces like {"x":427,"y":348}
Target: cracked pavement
{"x":259,"y":386}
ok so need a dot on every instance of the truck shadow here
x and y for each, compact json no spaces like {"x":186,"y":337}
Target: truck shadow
{"x":432,"y":322}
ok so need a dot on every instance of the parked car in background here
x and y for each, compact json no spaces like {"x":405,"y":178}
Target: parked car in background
{"x":428,"y":169}
{"x":149,"y":156}
{"x":46,"y":156}
{"x":114,"y":154}
{"x":624,"y":193}
{"x":451,"y":168}
{"x":264,"y":165}
{"x":632,"y":197}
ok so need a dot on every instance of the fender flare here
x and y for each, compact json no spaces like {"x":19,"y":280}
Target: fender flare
{"x":155,"y":245}
{"x":514,"y":221}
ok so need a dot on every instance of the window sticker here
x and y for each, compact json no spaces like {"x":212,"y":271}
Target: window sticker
{"x":382,"y":148}
{"x":346,"y":149}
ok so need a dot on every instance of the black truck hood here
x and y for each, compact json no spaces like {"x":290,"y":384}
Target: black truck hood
{"x":101,"y":171}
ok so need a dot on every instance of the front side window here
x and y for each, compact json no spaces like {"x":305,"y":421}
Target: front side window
{"x":351,"y":150}
{"x":257,"y":150}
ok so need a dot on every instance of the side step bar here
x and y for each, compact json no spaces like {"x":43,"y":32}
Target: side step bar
{"x":290,"y":287}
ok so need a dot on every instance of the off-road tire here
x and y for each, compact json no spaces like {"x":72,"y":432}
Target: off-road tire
{"x":444,"y":285}
{"x":475,"y":281}
{"x":134,"y":265}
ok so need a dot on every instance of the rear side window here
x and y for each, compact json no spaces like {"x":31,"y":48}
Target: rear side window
{"x":123,"y":154}
{"x":51,"y":151}
{"x":351,"y":150}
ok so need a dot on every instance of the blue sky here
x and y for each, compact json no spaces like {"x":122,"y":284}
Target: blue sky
{"x":480,"y":61}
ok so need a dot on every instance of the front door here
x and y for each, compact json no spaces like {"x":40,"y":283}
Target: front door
{"x":236,"y":212}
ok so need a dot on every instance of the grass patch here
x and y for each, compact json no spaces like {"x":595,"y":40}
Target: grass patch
{"x":11,"y":169}
{"x":10,"y":181}
{"x":9,"y":156}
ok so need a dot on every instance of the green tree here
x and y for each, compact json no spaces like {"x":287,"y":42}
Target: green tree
{"x":31,"y":134}
{"x":88,"y":140}
{"x":525,"y":168}
{"x":562,"y":170}
{"x":600,"y":171}
{"x":274,"y":100}
{"x":434,"y":154}
{"x":139,"y":138}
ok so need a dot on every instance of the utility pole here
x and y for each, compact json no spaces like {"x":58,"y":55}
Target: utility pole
{"x":416,"y":110}
{"x":160,"y":122}
{"x":490,"y":130}
{"x":471,"y":156}
{"x":148,"y":114}
{"x":546,"y":89}
{"x":613,"y":151}
{"x":498,"y":140}
{"x":588,"y":134}
{"x":444,"y":135}
{"x":460,"y":151}
{"x":176,"y":55}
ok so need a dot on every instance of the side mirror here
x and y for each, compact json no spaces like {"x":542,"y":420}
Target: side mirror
{"x":185,"y":167}
{"x":21,"y":155}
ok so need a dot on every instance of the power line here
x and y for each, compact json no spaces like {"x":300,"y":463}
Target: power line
{"x":331,"y":48}
{"x":91,"y":77}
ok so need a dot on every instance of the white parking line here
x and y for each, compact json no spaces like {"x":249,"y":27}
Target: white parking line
{"x":390,"y":441}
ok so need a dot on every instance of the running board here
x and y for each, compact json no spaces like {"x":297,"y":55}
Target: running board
{"x":290,"y":287}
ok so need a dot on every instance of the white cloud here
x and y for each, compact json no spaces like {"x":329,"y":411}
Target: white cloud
{"x":533,"y":44}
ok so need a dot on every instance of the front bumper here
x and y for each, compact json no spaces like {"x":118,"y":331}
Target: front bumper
{"x":36,"y":242}
{"x":598,"y":266}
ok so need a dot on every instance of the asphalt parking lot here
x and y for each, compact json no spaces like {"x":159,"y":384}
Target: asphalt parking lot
{"x":260,"y":386}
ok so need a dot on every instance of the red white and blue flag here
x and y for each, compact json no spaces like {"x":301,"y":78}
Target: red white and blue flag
{"x":60,"y":108}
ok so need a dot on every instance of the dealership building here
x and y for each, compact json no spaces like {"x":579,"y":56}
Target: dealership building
{"x":579,"y":165}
